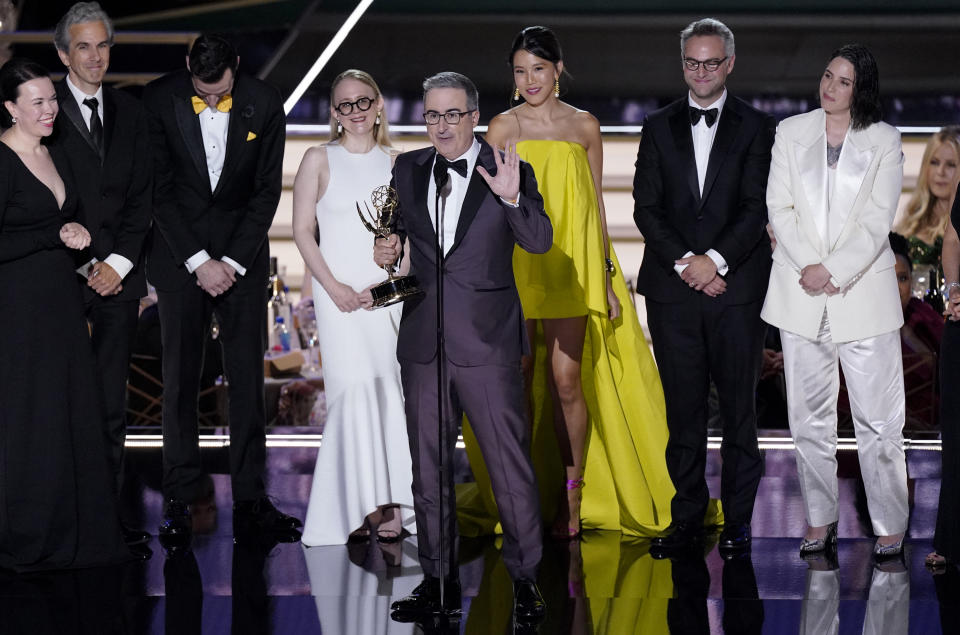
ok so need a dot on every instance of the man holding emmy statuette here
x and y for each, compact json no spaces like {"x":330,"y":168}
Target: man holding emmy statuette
{"x":486,"y":202}
{"x":396,"y":288}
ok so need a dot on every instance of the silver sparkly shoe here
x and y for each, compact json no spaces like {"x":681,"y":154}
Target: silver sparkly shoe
{"x":884,"y":552}
{"x":829,"y":541}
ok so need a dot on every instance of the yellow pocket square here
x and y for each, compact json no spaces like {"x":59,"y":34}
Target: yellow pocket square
{"x":251,"y":136}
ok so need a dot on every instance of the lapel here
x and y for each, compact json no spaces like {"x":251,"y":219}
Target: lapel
{"x":683,"y":142}
{"x":727,"y":127}
{"x":237,"y":129}
{"x":855,"y":159}
{"x":69,"y":107}
{"x":189,"y":125}
{"x":810,"y":153}
{"x":110,"y":120}
{"x":476,"y":190}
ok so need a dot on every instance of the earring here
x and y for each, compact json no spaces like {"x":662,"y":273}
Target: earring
{"x":339,"y":128}
{"x":377,"y":122}
{"x":516,"y":94}
{"x":13,"y":119}
{"x":556,"y":87}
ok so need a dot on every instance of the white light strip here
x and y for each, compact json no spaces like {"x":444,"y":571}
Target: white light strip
{"x":315,"y":441}
{"x":325,"y":56}
{"x":322,"y":129}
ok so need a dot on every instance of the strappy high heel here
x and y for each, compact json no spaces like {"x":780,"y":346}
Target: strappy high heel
{"x":818,"y":545}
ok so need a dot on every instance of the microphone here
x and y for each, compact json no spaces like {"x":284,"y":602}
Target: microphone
{"x":440,"y":175}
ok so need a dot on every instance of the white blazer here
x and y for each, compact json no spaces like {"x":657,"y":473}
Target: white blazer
{"x":858,"y":218}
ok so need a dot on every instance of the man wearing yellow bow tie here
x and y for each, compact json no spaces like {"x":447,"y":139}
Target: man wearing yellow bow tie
{"x":217,"y":141}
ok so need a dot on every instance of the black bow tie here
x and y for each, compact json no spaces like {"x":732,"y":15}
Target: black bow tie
{"x":709,"y":115}
{"x":459,"y":166}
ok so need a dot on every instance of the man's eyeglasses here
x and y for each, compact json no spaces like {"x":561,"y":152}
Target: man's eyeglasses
{"x":452,"y":117}
{"x":708,"y":65}
{"x":346,"y":107}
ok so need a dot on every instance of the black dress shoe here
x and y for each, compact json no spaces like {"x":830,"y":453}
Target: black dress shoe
{"x":425,"y":600}
{"x":676,"y":538}
{"x":734,"y":537}
{"x":261,"y":516}
{"x":133,"y":536}
{"x":528,"y":604}
{"x":176,"y":528}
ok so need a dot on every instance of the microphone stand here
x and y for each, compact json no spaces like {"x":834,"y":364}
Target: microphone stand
{"x":441,"y":177}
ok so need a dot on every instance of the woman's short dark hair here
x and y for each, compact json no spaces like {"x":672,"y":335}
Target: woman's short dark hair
{"x":538,"y":40}
{"x":865,"y":108}
{"x":900,"y":247}
{"x":210,"y":57}
{"x":12,"y":74}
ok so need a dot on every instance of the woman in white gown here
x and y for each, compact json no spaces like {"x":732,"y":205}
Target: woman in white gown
{"x":362,"y":481}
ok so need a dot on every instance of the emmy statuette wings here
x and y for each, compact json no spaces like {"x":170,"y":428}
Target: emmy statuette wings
{"x":395,"y":288}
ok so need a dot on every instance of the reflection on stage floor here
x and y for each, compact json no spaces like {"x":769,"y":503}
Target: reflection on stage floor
{"x":602,"y":584}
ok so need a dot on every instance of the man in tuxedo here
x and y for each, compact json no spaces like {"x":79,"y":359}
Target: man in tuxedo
{"x":217,"y":142}
{"x":487,"y":205}
{"x":699,"y":194}
{"x":102,"y":132}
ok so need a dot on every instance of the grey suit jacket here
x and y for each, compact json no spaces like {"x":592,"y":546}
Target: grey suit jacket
{"x":483,"y":321}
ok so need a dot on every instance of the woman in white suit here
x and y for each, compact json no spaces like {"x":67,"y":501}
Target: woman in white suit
{"x":834,"y":185}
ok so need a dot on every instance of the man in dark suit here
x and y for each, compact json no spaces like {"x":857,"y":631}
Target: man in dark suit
{"x":217,"y":143}
{"x":699,"y":195}
{"x":488,"y":205}
{"x":102,"y":133}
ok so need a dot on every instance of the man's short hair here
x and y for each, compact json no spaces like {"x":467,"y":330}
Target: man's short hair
{"x":708,"y":26}
{"x":450,"y":79}
{"x":210,"y":57}
{"x":79,"y":13}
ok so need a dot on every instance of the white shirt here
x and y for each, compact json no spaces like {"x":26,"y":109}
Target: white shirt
{"x":703,"y":136}
{"x":451,"y":204}
{"x":213,"y":130}
{"x":118,"y":263}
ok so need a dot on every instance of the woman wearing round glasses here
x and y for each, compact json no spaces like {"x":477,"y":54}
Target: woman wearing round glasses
{"x":361,"y":482}
{"x":591,"y":365}
{"x":832,"y":194}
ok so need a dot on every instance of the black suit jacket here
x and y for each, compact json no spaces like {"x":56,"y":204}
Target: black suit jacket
{"x":115,"y":187}
{"x":730,"y":217}
{"x":483,"y":321}
{"x":234,"y":219}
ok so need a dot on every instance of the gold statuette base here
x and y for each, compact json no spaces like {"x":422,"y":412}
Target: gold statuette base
{"x":395,"y":290}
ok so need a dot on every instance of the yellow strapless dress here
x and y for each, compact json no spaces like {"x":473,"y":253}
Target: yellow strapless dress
{"x":627,"y":487}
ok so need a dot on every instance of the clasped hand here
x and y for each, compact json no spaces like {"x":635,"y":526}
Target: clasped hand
{"x":104,"y":279}
{"x":75,"y":236}
{"x":215,"y":277}
{"x":815,"y":279}
{"x":952,"y":311}
{"x":701,"y":274}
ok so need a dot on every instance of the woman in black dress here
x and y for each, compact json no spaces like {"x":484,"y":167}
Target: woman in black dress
{"x":946,"y":540}
{"x":57,"y":503}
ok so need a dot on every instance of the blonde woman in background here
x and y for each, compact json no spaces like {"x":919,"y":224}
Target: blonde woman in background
{"x":362,"y":481}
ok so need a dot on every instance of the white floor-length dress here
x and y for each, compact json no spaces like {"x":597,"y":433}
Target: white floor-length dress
{"x":364,"y":460}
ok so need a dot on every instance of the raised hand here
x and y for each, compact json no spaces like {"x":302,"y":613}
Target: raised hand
{"x":506,"y":183}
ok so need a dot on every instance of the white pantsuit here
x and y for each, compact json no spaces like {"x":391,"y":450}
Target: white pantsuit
{"x":842,"y":220}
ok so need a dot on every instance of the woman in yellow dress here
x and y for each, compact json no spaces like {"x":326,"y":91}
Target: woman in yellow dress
{"x":590,"y":354}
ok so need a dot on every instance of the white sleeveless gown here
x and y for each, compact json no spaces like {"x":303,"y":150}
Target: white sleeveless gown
{"x":364,"y":460}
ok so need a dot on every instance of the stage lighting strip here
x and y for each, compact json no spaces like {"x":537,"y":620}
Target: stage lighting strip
{"x":420,"y":129}
{"x":315,"y":440}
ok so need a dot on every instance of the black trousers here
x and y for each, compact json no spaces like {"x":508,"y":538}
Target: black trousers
{"x":185,"y":316}
{"x":696,"y":341}
{"x":946,"y":539}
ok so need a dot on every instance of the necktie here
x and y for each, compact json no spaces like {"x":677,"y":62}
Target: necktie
{"x":224,"y":104}
{"x":709,"y":115}
{"x":460,"y":166}
{"x":96,"y":125}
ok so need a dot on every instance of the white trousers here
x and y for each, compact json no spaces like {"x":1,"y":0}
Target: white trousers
{"x":873,"y":369}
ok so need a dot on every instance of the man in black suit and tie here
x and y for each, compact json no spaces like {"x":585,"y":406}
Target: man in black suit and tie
{"x":488,"y":205}
{"x":102,"y":132}
{"x":699,"y":195}
{"x":217,"y":142}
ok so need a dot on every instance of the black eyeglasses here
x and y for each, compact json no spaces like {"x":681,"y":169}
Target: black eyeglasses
{"x":708,"y":65}
{"x":452,"y":117}
{"x":346,"y":107}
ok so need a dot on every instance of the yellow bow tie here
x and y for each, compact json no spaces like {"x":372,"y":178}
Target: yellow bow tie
{"x":223,"y":105}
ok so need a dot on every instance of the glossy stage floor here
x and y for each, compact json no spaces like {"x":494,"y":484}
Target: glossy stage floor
{"x":601,"y":584}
